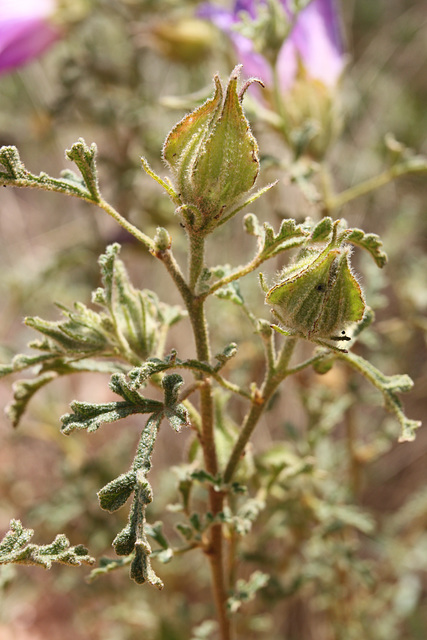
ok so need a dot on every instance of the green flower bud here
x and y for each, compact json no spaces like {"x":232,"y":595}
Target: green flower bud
{"x":312,"y":116}
{"x":318,"y":296}
{"x":162,"y":239}
{"x":213,"y":157}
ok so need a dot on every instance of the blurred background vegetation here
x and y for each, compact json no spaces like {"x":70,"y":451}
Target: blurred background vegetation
{"x":122,"y":76}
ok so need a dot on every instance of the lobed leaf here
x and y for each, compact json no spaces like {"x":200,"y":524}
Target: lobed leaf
{"x":389,"y":387}
{"x":15,"y":549}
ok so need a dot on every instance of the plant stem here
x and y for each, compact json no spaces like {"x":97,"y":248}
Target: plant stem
{"x":214,"y":551}
{"x":196,"y":311}
{"x":130,"y":228}
{"x":197,"y":258}
{"x":361,"y":189}
{"x":273,"y":378}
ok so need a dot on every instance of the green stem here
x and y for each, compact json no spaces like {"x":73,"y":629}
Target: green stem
{"x":273,"y":378}
{"x":214,"y":550}
{"x":197,"y":258}
{"x":130,"y":228}
{"x":196,"y":311}
{"x":59,"y":186}
{"x":361,"y":189}
{"x":278,"y":100}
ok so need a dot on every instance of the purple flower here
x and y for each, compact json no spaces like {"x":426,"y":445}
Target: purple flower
{"x":315,"y":41}
{"x":26,"y":30}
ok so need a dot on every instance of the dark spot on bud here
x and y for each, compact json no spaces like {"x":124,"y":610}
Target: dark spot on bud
{"x":321,"y":287}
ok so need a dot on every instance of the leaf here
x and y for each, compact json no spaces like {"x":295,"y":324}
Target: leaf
{"x":17,"y":175}
{"x":226,"y":355}
{"x":389,"y":387}
{"x":82,"y":333}
{"x":85,"y":159}
{"x":116,"y":493}
{"x":231,"y":292}
{"x":23,"y":391}
{"x":133,"y":538}
{"x":289,"y":235}
{"x":369,"y":241}
{"x":15,"y":549}
{"x":323,"y":230}
{"x":174,"y":411}
{"x":91,"y":416}
{"x":106,"y":565}
{"x":246,"y":590}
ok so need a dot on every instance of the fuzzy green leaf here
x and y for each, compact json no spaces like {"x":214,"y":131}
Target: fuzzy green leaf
{"x":226,"y":355}
{"x":106,"y":565}
{"x":16,"y":174}
{"x":116,"y":493}
{"x":23,"y":391}
{"x":289,"y":235}
{"x":389,"y":387}
{"x":174,"y":411}
{"x":246,"y":590}
{"x":133,"y":538}
{"x":85,"y":159}
{"x":15,"y":549}
{"x":322,"y":231}
{"x":91,"y":416}
{"x":369,"y":241}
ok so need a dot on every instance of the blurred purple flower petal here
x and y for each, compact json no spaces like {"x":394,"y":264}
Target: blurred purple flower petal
{"x":25,"y":31}
{"x":254,"y":64}
{"x":315,"y":40}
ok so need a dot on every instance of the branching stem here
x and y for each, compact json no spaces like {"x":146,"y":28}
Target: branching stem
{"x":273,"y":377}
{"x":196,"y":310}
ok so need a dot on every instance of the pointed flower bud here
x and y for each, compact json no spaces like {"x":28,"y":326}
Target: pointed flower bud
{"x":213,"y":157}
{"x":318,"y":296}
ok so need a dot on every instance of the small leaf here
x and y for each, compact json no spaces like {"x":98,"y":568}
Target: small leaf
{"x":322,"y":231}
{"x":141,"y":570}
{"x":15,"y":549}
{"x":106,"y":565}
{"x":23,"y":391}
{"x":116,"y":493}
{"x":228,"y":353}
{"x":91,"y":416}
{"x":231,"y":292}
{"x":175,"y":412}
{"x":389,"y":387}
{"x":369,"y":241}
{"x":155,"y":531}
{"x":289,"y":235}
{"x":246,"y":590}
{"x":85,"y":159}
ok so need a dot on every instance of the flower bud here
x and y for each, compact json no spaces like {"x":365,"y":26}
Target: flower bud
{"x":318,"y":296}
{"x":213,"y":157}
{"x":186,"y":40}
